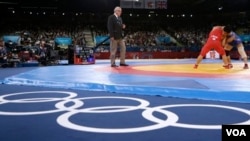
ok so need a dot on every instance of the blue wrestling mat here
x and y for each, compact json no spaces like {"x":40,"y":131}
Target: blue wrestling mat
{"x":166,"y":77}
{"x":48,"y":114}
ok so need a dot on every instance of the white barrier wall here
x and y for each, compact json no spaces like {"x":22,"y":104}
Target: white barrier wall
{"x":212,"y":55}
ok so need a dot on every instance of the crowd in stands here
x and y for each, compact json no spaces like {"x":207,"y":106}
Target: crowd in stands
{"x":141,"y":36}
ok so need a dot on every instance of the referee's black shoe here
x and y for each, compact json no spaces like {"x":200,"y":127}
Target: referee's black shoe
{"x":114,"y":65}
{"x":124,"y":65}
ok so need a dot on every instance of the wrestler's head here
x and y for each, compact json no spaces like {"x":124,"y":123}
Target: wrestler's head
{"x":227,"y":30}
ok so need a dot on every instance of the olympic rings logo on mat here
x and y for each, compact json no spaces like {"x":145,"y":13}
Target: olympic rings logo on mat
{"x":78,"y":108}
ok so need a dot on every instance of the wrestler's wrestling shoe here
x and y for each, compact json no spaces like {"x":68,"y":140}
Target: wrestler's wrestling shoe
{"x":195,"y":66}
{"x":246,"y":66}
{"x":229,"y":66}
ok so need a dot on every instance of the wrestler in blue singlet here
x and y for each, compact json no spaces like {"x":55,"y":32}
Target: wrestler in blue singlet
{"x":237,"y":40}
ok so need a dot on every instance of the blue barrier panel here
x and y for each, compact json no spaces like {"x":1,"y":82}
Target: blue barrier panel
{"x":99,"y":39}
{"x":245,"y":38}
{"x":13,"y":38}
{"x":164,"y":39}
{"x":63,"y":41}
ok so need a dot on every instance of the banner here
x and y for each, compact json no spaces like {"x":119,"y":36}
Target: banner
{"x":126,"y":3}
{"x":149,"y":4}
{"x":138,"y":4}
{"x":161,"y":4}
{"x":144,"y":4}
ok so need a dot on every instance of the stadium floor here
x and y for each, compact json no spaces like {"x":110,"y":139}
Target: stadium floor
{"x":149,"y":100}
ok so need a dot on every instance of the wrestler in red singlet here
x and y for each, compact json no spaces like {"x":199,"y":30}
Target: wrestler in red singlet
{"x":214,"y":41}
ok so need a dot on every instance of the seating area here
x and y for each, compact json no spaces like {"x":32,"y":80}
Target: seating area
{"x":154,"y":37}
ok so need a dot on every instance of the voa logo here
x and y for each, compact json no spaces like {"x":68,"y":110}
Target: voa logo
{"x":239,"y":132}
{"x":236,"y":132}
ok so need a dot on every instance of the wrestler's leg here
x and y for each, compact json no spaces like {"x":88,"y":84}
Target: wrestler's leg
{"x":228,"y":48}
{"x":243,"y":54}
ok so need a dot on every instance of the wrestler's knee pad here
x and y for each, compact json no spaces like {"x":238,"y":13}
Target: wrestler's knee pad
{"x":227,"y":52}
